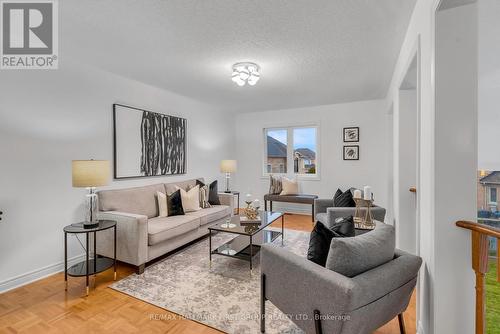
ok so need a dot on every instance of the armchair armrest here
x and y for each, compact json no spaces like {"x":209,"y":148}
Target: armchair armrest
{"x":227,"y":199}
{"x":320,"y":205}
{"x":298,"y":286}
{"x":131,"y":237}
{"x":400,"y":273}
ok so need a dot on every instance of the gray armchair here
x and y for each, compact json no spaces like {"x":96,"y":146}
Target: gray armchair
{"x":325,"y":212}
{"x":320,"y":300}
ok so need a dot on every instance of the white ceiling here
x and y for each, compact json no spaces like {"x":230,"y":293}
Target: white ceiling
{"x":448,"y":4}
{"x":310,"y":52}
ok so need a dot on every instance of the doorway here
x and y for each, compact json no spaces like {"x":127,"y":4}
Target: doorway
{"x":406,"y":122}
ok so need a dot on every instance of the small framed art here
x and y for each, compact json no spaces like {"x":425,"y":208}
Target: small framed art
{"x":351,"y":134}
{"x":351,"y":152}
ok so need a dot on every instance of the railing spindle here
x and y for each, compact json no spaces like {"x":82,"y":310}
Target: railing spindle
{"x":480,"y":233}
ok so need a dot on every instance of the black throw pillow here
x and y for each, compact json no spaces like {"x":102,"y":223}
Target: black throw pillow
{"x":343,"y":227}
{"x":213,"y":192}
{"x":337,"y":194}
{"x":344,"y":200}
{"x":174,"y":204}
{"x":321,"y":237}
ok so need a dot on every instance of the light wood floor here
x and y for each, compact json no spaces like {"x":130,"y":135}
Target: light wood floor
{"x":45,"y":307}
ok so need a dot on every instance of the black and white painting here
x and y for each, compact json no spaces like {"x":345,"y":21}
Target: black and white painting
{"x":147,"y":143}
{"x":351,"y":152}
{"x":351,"y":134}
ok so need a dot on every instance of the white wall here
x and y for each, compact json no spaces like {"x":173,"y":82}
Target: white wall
{"x":489,"y":84}
{"x":370,"y":116}
{"x":47,"y":119}
{"x":445,"y":305}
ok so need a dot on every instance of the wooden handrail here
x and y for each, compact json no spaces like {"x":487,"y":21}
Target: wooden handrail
{"x":480,"y":233}
{"x":481,"y":228}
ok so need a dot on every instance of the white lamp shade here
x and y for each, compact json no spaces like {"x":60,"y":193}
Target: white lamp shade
{"x":90,"y":173}
{"x":228,"y":166}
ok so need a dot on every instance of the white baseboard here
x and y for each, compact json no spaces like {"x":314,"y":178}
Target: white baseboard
{"x":35,"y":275}
{"x":420,"y":328}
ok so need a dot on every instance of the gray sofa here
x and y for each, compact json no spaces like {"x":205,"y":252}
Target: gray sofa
{"x":326,"y":212}
{"x":142,"y":236}
{"x":355,"y":302}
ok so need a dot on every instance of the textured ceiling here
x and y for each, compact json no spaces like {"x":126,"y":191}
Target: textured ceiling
{"x":447,"y":4}
{"x":310,"y":52}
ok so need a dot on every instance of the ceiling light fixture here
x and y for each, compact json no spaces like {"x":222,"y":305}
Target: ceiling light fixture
{"x":244,"y":73}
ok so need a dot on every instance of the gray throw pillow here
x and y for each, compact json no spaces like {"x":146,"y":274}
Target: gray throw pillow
{"x":353,"y":256}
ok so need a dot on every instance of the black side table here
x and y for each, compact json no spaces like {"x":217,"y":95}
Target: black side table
{"x":89,"y":266}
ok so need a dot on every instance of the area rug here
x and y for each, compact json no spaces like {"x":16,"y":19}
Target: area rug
{"x":225,"y":295}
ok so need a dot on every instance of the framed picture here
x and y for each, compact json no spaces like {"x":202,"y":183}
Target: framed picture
{"x":351,"y":134}
{"x":147,"y":143}
{"x":351,"y":152}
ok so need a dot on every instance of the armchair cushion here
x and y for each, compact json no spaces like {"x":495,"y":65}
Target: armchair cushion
{"x":353,"y":256}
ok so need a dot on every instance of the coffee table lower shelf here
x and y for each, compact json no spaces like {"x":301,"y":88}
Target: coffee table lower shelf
{"x":245,"y":247}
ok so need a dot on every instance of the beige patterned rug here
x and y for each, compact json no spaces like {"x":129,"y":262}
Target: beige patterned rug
{"x":225,"y":296}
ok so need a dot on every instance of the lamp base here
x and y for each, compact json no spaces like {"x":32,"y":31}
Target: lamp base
{"x":228,"y":191}
{"x":87,"y":224}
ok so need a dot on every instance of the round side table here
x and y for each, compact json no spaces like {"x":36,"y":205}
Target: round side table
{"x":90,"y":266}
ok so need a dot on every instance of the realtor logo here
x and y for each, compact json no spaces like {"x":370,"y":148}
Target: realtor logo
{"x":28,"y":34}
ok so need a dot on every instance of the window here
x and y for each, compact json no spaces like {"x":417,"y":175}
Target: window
{"x":493,"y":195}
{"x":276,"y":142}
{"x":304,"y":148}
{"x":301,"y":157}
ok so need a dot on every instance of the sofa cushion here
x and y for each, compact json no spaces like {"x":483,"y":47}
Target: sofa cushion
{"x":353,"y":256}
{"x":139,"y":200}
{"x":211,"y":214}
{"x":164,"y":228}
{"x":171,"y":187}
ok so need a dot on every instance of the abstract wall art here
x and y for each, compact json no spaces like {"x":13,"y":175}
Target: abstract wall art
{"x":147,"y":143}
{"x":351,"y":134}
{"x":351,"y":152}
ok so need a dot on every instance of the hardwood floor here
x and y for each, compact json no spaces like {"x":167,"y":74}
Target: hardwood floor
{"x":45,"y":307}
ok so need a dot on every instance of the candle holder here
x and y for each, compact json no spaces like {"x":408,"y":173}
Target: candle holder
{"x":363,"y":215}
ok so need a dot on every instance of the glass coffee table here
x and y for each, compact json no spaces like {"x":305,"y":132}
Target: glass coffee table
{"x":250,"y":235}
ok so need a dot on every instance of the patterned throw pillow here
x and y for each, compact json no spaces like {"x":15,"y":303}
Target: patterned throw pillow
{"x":213,"y":192}
{"x":204,"y":195}
{"x":275,"y":185}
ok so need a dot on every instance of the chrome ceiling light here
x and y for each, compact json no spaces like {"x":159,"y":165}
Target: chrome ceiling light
{"x":246,"y":72}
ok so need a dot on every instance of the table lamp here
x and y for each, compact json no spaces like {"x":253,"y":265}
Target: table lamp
{"x":228,"y":167}
{"x":90,"y":174}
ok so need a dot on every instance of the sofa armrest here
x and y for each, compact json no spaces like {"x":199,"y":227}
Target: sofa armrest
{"x":298,"y":286}
{"x":227,"y":199}
{"x":131,"y":237}
{"x":320,"y":205}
